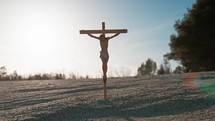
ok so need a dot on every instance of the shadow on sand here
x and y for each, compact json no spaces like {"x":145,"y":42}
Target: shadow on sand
{"x":127,"y":108}
{"x":49,"y":97}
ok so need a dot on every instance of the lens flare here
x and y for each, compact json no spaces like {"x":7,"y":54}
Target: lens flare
{"x":191,"y":81}
{"x":203,"y":82}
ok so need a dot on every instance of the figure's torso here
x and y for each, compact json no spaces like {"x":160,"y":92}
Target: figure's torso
{"x":104,"y":45}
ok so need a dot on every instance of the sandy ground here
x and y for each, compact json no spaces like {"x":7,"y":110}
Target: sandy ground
{"x":168,"y":97}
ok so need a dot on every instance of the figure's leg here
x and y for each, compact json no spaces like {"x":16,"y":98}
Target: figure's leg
{"x":104,"y":68}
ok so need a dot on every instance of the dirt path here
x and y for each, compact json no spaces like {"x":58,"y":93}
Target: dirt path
{"x":168,"y":97}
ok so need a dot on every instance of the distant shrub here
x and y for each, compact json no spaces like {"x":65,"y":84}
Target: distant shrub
{"x":148,"y":68}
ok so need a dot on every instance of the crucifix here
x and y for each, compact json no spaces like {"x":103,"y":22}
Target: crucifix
{"x":104,"y":47}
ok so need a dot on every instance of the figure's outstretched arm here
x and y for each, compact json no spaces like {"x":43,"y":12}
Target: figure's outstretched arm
{"x":113,"y":36}
{"x":93,"y":36}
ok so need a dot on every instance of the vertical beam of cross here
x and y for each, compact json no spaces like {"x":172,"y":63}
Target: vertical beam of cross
{"x":103,"y":27}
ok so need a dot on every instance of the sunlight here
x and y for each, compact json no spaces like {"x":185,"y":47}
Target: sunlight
{"x":39,"y":40}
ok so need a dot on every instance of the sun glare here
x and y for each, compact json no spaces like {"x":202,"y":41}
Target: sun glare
{"x":39,"y":40}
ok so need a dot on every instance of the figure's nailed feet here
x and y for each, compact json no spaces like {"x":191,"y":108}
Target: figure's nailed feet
{"x":104,"y":77}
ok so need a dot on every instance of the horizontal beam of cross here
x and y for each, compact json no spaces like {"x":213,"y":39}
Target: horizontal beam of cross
{"x":107,"y":31}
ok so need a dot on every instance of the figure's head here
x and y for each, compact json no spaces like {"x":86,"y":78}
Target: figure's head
{"x":102,"y":36}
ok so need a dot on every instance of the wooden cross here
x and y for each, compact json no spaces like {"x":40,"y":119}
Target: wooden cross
{"x":104,"y":45}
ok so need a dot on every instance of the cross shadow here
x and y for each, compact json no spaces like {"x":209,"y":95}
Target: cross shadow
{"x":49,"y":97}
{"x":128,"y":108}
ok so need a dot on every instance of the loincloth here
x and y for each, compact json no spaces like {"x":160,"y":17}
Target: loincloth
{"x":104,"y":55}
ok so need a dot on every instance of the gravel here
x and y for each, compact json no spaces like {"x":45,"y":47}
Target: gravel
{"x":166,"y":97}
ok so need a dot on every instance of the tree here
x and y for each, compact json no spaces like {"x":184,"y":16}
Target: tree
{"x":14,"y":75}
{"x":60,"y":76}
{"x":154,"y":67}
{"x":148,"y":68}
{"x":178,"y":70}
{"x":141,"y":70}
{"x":161,"y":70}
{"x":3,"y":72}
{"x":45,"y":76}
{"x":167,"y":66}
{"x":72,"y":76}
{"x":20,"y":77}
{"x":193,"y":46}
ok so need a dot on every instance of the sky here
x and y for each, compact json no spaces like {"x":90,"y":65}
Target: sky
{"x":43,"y":35}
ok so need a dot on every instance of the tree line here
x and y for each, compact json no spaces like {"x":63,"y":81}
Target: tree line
{"x":150,"y":68}
{"x":39,"y":76}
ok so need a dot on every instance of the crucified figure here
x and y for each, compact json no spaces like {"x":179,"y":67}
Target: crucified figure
{"x":104,"y":47}
{"x":104,"y":55}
